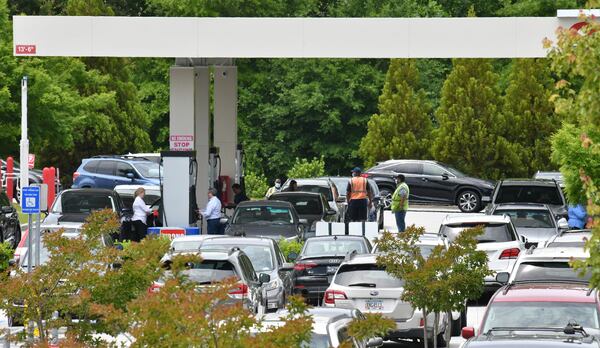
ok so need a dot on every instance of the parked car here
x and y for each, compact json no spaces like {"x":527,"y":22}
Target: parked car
{"x":569,"y":238}
{"x":379,"y":201}
{"x":266,"y":257}
{"x":318,"y":261}
{"x":534,"y":221}
{"x":541,"y":310}
{"x":556,"y":176}
{"x":10,"y":227}
{"x":110,"y":171}
{"x":329,"y":328}
{"x":312,"y":207}
{"x":220,"y":265}
{"x":152,"y":198}
{"x":360,"y":283}
{"x":186,"y":244}
{"x":547,"y":264}
{"x":530,"y":191}
{"x":433,"y":182}
{"x":324,"y":186}
{"x":499,"y":240}
{"x":273,"y":219}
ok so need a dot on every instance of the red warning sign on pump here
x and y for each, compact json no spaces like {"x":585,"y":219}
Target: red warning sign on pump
{"x":181,"y":142}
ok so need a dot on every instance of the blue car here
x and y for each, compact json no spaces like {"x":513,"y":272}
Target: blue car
{"x":110,"y":171}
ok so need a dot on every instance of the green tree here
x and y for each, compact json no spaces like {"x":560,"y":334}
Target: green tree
{"x":304,"y":168}
{"x":256,"y":185}
{"x":530,"y":113}
{"x":470,"y":123}
{"x":441,"y":282}
{"x":402,"y":129}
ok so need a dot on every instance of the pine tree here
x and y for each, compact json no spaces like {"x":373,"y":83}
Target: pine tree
{"x":528,"y":108}
{"x":402,"y":129}
{"x":470,"y":123}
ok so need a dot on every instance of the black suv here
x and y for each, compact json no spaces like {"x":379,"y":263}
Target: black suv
{"x":530,"y":191}
{"x":432,"y":182}
{"x":10,"y":229}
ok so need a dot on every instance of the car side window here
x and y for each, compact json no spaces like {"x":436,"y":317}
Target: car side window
{"x":278,"y":254}
{"x":91,"y":166}
{"x":342,"y":334}
{"x":124,"y":168}
{"x":409,"y":168}
{"x":106,"y":167}
{"x":433,"y":170}
{"x":247,"y":268}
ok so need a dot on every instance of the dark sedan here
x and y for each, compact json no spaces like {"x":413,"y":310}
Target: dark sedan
{"x":310,"y":206}
{"x":273,"y":219}
{"x":319,"y":260}
{"x":10,"y":229}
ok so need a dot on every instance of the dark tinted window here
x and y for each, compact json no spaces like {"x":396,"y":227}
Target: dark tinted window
{"x":4,"y":199}
{"x":304,"y":205}
{"x":324,"y":190}
{"x":366,"y":275}
{"x":408,"y":168}
{"x":528,"y":194}
{"x":432,"y":169}
{"x":492,"y":233}
{"x":106,"y":167}
{"x":333,"y":247}
{"x":548,"y":271}
{"x":124,"y":168}
{"x":91,"y":166}
{"x":209,"y":271}
{"x":261,"y":256}
{"x":529,"y":218}
{"x":264,"y":214}
{"x":82,"y":202}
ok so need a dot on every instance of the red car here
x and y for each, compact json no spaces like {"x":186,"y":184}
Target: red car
{"x":519,"y":309}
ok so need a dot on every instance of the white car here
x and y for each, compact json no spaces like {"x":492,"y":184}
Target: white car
{"x":499,"y":240}
{"x":360,"y":283}
{"x":329,"y":329}
{"x":186,"y":244}
{"x":547,"y":265}
{"x":151,"y":198}
{"x":570,"y":238}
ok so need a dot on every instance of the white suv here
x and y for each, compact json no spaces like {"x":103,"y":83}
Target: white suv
{"x":499,"y":240}
{"x":360,"y":283}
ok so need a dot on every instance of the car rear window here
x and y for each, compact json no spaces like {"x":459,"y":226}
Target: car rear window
{"x":541,"y":271}
{"x":528,"y":194}
{"x":84,"y":202}
{"x":333,"y":247}
{"x":91,"y":166}
{"x":261,"y":256}
{"x":324,"y":190}
{"x":528,"y":218}
{"x":579,"y":244}
{"x":492,"y":233}
{"x":366,"y":275}
{"x":263,"y":215}
{"x":304,"y":205}
{"x":209,"y":271}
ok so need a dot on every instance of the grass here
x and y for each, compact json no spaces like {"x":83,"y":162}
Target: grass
{"x":23,"y":218}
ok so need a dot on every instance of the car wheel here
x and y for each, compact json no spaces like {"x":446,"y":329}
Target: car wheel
{"x":387,"y":199}
{"x":380,"y":220}
{"x":469,"y":201}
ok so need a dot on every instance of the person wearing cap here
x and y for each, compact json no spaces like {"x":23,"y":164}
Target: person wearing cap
{"x":274,"y":189}
{"x":359,"y":196}
{"x":400,"y":202}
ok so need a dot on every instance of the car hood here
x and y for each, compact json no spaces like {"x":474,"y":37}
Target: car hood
{"x":530,"y":342}
{"x":536,"y":234}
{"x":267,"y":230}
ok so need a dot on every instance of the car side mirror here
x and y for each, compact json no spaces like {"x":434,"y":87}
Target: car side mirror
{"x":445,"y":176}
{"x":375,"y":342}
{"x":502,"y":277}
{"x":7,"y":209}
{"x":467,"y":332}
{"x":264,"y":278}
{"x":286,"y":267}
{"x":130,"y":175}
{"x":224,"y":220}
{"x":292,"y":256}
{"x":331,"y":212}
{"x":303,"y":221}
{"x":563,"y":224}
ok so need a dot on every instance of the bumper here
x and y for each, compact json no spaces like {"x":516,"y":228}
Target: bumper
{"x":412,"y":328}
{"x":313,"y":293}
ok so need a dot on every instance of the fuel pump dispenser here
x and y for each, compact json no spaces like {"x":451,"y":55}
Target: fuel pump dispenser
{"x":239,"y":167}
{"x":178,"y":188}
{"x":214,"y":170}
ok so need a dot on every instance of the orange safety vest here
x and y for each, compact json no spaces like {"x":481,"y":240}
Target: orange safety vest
{"x":358,"y":188}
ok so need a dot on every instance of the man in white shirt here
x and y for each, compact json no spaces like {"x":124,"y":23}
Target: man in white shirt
{"x":212,"y":213}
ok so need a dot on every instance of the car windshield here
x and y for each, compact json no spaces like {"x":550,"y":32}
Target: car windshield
{"x":324,"y":190}
{"x":528,"y":218}
{"x":492,"y":233}
{"x":148,"y":169}
{"x":209,"y":271}
{"x":261,"y":256}
{"x":332,"y":247}
{"x":548,"y":270}
{"x":263,"y":214}
{"x":540,"y":314}
{"x":366,"y":275}
{"x":304,"y":205}
{"x":528,"y":194}
{"x":82,"y":202}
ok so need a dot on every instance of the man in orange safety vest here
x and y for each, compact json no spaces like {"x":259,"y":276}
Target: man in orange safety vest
{"x":359,"y":197}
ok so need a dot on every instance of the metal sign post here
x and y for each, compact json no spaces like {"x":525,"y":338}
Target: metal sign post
{"x":24,"y":155}
{"x":30,"y":204}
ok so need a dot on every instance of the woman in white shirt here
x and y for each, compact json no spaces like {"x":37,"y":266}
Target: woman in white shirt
{"x":140,"y":212}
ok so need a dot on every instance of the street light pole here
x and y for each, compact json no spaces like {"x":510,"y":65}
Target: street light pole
{"x":24,"y":148}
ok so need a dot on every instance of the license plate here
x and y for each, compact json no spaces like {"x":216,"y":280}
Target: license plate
{"x":374,"y":305}
{"x":331,"y":269}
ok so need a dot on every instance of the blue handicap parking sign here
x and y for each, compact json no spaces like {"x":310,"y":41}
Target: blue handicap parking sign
{"x":30,"y":200}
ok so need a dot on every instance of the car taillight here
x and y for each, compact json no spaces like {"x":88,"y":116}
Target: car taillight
{"x":240,"y":289}
{"x":365,"y":175}
{"x":154,"y":288}
{"x":301,"y":266}
{"x":511,"y":253}
{"x":75,"y":175}
{"x":332,"y":295}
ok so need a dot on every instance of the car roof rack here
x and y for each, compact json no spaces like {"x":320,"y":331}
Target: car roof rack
{"x":122,"y":157}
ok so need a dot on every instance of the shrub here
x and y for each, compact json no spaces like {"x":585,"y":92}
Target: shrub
{"x":256,"y":185}
{"x":287,"y":247}
{"x":6,"y":253}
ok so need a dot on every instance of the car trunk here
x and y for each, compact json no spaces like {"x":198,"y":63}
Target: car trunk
{"x":384,"y":301}
{"x":536,"y":235}
{"x":494,"y":251}
{"x":322,"y":267}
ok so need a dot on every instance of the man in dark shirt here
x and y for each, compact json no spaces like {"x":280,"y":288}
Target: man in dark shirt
{"x":238,"y":194}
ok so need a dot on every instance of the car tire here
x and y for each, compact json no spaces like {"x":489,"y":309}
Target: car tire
{"x":468,"y":201}
{"x":17,"y":237}
{"x":381,"y":223}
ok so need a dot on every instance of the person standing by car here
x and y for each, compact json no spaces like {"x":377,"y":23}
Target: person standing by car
{"x":400,"y":202}
{"x":140,"y":213}
{"x":212,"y":213}
{"x":359,"y":196}
{"x":274,"y":189}
{"x":577,"y":216}
{"x":238,"y":194}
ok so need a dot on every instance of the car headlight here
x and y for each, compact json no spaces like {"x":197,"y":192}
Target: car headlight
{"x":273,"y":284}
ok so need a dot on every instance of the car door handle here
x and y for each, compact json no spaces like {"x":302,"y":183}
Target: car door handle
{"x":424,"y":179}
